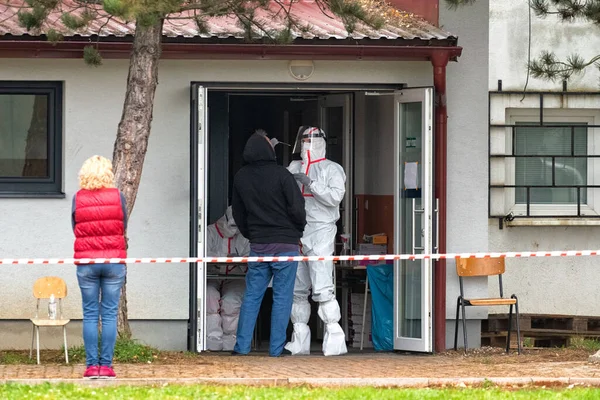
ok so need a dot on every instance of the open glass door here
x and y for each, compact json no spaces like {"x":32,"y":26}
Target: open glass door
{"x":198,"y":223}
{"x":414,"y":222}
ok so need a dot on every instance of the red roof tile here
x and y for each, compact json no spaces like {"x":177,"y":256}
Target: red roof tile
{"x":399,"y":25}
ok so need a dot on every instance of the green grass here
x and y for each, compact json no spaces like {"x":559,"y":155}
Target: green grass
{"x":127,"y":351}
{"x":70,"y":391}
{"x":7,"y":358}
{"x":580,"y":343}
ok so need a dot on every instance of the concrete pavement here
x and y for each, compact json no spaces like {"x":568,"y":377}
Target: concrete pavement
{"x":387,"y":369}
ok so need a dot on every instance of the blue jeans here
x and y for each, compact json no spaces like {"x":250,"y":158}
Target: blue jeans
{"x":257,"y":280}
{"x":100,"y":286}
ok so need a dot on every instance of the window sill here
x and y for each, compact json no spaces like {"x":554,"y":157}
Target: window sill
{"x":18,"y":195}
{"x":569,"y":221}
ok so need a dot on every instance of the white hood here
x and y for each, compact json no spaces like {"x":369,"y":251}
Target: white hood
{"x":226,"y":224}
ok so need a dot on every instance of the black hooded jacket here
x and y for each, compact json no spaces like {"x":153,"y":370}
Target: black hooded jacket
{"x":267,"y":204}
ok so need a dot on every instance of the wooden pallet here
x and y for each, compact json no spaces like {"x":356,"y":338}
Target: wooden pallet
{"x":499,"y":340}
{"x":579,"y":324}
{"x":539,"y":330}
{"x":550,"y":337}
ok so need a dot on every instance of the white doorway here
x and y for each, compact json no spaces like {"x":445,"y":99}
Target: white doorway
{"x":224,"y":117}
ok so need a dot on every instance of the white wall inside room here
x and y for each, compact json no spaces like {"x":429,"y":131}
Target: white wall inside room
{"x":509,"y":46}
{"x":159,"y":225}
{"x":379,"y":145}
{"x":467,"y":97}
{"x":374,"y":136}
{"x":360,"y":142}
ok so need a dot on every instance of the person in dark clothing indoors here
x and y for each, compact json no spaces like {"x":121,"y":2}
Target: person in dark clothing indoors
{"x":268,"y":209}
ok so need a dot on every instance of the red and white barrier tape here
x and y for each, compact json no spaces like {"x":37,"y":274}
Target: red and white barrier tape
{"x":227,"y":260}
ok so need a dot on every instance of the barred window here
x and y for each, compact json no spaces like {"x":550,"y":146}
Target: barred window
{"x":549,"y":165}
{"x":545,"y":160}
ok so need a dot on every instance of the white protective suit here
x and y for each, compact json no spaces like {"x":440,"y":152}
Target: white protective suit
{"x":322,"y":199}
{"x":224,"y":297}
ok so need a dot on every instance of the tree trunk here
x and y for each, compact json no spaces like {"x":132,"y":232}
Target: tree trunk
{"x":36,"y":151}
{"x":134,"y":128}
{"x":123,"y":327}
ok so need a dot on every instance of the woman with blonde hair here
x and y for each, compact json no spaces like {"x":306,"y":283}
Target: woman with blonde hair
{"x":99,"y":219}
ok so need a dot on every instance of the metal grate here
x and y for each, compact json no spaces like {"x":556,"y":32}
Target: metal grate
{"x":523,"y":194}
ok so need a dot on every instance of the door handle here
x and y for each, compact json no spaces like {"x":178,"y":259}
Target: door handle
{"x":415,"y":211}
{"x":200,"y":223}
{"x":436,"y":247}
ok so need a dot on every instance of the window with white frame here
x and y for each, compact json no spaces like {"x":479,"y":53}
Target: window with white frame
{"x":553,"y":161}
{"x":550,"y":165}
{"x":544,"y":162}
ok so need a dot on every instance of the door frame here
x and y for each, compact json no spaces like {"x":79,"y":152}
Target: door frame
{"x":258,"y":87}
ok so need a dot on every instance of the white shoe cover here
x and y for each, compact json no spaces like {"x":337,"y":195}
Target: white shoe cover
{"x":214,"y":344}
{"x":228,"y":342}
{"x":229,"y":324}
{"x":214,"y":333}
{"x":300,"y":343}
{"x":334,"y":340}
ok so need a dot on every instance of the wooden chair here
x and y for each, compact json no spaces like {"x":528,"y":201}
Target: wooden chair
{"x":42,"y":289}
{"x":468,"y":267}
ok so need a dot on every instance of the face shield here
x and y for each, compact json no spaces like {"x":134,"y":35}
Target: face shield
{"x":309,"y":139}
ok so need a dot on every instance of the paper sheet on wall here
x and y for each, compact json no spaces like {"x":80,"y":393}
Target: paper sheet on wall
{"x":411,"y":173}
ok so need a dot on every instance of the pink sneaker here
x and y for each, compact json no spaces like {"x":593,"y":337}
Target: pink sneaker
{"x":91,"y":372}
{"x":106,"y":372}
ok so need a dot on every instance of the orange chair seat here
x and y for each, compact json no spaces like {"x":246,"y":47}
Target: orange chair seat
{"x":49,"y":322}
{"x":491,"y":302}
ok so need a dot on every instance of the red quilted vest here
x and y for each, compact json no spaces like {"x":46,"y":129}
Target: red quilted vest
{"x":99,"y":227}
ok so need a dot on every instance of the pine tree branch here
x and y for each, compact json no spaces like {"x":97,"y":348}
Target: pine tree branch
{"x":108,"y":19}
{"x":548,"y":66}
{"x":568,"y":10}
{"x":456,"y":4}
{"x":200,"y":7}
{"x":324,"y":9}
{"x":247,"y":22}
{"x":291,"y":20}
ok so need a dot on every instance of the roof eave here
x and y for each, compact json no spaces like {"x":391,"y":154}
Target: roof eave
{"x":32,"y":48}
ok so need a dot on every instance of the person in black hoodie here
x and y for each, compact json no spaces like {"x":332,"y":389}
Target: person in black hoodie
{"x":268,"y":209}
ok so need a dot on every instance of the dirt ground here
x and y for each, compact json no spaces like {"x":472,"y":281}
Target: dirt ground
{"x":484,"y":362}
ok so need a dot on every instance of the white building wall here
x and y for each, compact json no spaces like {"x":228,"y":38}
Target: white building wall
{"x":159,"y":224}
{"x":467,"y":228}
{"x":545,"y":285}
{"x":509,"y":21}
